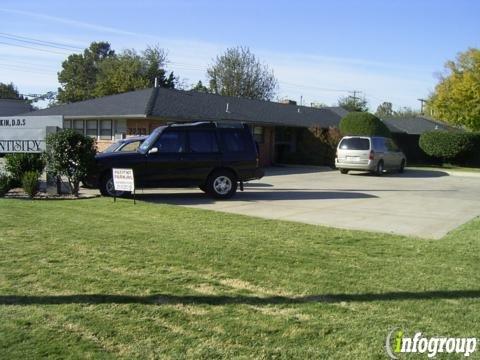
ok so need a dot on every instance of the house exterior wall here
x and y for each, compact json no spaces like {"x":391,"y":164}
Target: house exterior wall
{"x":266,"y":147}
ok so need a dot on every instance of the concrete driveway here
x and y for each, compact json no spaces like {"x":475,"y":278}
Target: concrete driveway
{"x":421,"y":203}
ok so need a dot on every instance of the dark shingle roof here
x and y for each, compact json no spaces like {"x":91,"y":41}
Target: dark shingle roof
{"x":415,"y":125}
{"x":181,"y":105}
{"x":133,"y":103}
{"x":9,"y":107}
{"x":191,"y":105}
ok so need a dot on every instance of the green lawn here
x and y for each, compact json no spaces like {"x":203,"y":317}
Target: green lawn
{"x":94,"y":279}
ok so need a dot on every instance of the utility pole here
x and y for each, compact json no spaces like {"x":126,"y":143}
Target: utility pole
{"x":354,"y":96}
{"x":422,"y":101}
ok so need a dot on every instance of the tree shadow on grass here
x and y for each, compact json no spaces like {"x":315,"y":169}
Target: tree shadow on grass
{"x":163,"y":299}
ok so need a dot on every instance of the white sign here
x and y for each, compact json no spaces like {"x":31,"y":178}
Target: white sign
{"x":123,"y":180}
{"x":26,"y":133}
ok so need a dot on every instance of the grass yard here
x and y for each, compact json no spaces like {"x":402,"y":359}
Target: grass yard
{"x":94,"y":279}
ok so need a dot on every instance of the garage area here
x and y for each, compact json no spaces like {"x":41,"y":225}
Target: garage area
{"x":422,"y":203}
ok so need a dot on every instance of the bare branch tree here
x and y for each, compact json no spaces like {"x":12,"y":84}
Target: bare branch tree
{"x":239,"y":73}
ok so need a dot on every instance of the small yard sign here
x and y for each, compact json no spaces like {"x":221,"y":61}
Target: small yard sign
{"x":123,"y":180}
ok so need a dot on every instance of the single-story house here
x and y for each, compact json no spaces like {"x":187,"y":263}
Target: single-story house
{"x":139,"y":112}
{"x":9,"y":107}
{"x":280,"y":128}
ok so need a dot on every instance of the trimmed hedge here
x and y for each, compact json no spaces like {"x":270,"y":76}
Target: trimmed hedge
{"x":452,"y":146}
{"x":363,"y":124}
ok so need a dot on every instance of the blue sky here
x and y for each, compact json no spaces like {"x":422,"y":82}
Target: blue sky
{"x":319,"y":50}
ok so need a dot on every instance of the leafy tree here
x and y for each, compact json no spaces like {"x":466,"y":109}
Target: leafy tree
{"x":318,"y":105}
{"x":79,"y":73}
{"x":239,"y":73}
{"x":10,"y":91}
{"x":120,"y":74}
{"x":199,"y":87}
{"x":154,"y":60}
{"x":363,"y":124}
{"x":351,"y":103}
{"x":131,"y":71}
{"x":406,"y":112}
{"x":456,"y":97}
{"x":70,"y":154}
{"x":384,"y":110}
{"x":99,"y":71}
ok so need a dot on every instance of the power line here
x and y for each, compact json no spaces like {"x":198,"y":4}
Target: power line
{"x":314,"y":87}
{"x":25,"y":70}
{"x":38,"y":42}
{"x":27,"y":65}
{"x":33,"y":48}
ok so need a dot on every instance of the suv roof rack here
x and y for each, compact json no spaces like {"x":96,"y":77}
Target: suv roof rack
{"x":233,"y":124}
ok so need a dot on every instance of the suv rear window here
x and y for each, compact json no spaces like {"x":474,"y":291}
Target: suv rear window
{"x":355,"y":144}
{"x":203,"y":141}
{"x":234,"y":140}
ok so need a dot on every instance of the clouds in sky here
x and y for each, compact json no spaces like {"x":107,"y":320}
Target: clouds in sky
{"x":312,"y":77}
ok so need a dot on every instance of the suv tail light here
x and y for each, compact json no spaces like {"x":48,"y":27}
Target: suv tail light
{"x":371,"y":156}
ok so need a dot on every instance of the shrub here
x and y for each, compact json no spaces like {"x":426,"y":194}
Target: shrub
{"x":70,"y":154}
{"x":363,"y":124}
{"x":5,"y":184}
{"x":446,"y":145}
{"x":30,"y":183}
{"x":19,"y":163}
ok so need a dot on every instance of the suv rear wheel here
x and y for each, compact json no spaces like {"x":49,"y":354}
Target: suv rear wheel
{"x":222,"y":184}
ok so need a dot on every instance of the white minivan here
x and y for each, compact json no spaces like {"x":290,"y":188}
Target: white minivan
{"x":369,"y":153}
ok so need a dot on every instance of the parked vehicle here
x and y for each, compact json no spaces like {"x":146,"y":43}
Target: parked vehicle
{"x":375,"y":154}
{"x":126,"y":145}
{"x":214,"y":157}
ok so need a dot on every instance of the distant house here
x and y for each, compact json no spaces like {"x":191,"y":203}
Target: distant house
{"x":9,"y":107}
{"x":406,"y":132}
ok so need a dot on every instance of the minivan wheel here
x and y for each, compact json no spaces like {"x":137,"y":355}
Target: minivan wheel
{"x":222,"y":184}
{"x":107,"y":188}
{"x":343,"y":171}
{"x":402,"y":167}
{"x":379,"y":169}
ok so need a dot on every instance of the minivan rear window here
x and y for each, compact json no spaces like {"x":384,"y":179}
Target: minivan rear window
{"x":355,"y":144}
